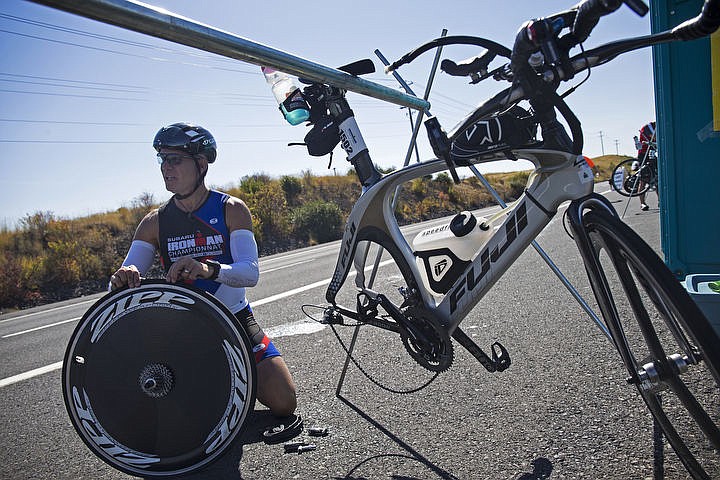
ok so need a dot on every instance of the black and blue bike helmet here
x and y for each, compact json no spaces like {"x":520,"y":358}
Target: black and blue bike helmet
{"x":192,"y":139}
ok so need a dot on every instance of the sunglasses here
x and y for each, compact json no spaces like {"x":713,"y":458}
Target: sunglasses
{"x":172,"y":159}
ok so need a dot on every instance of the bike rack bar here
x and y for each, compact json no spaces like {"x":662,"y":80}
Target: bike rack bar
{"x":415,"y":132}
{"x":161,"y":23}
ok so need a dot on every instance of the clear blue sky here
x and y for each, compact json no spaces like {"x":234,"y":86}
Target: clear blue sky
{"x":80,"y":101}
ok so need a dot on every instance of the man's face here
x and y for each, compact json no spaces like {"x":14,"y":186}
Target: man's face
{"x":178,"y":170}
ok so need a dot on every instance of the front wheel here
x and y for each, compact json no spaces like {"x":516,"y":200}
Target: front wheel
{"x":629,"y":182}
{"x":158,"y":380}
{"x":668,"y":346}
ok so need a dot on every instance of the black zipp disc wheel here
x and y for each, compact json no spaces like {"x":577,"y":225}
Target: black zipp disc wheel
{"x":158,"y":380}
{"x":671,"y":351}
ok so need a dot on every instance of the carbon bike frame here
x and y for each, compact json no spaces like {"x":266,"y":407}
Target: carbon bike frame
{"x":557,"y":177}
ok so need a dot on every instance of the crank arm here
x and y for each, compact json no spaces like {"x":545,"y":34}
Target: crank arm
{"x":500,"y":357}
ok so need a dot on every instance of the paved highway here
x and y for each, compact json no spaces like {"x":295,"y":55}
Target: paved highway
{"x":561,"y":410}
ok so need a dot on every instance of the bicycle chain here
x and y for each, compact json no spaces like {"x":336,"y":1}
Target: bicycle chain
{"x":370,"y":377}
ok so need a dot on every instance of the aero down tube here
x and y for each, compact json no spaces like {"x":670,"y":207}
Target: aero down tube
{"x":517,"y":232}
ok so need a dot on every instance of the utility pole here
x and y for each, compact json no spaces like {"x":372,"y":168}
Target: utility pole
{"x":602,"y":146}
{"x":617,"y":152}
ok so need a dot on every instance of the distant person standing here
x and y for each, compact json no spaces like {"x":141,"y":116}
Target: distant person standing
{"x":645,"y":144}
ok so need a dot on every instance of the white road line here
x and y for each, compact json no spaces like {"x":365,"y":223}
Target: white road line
{"x":46,"y":311}
{"x":56,"y":366}
{"x":40,"y":328}
{"x":262,"y":270}
{"x":289,"y":293}
{"x":30,"y":374}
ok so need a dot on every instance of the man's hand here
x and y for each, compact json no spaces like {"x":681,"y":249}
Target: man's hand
{"x":128,"y":275}
{"x":187,"y":268}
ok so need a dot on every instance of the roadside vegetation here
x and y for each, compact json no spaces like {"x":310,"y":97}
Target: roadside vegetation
{"x":48,"y":258}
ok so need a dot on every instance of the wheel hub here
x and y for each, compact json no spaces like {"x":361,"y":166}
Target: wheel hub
{"x":651,"y":378}
{"x":156,"y":380}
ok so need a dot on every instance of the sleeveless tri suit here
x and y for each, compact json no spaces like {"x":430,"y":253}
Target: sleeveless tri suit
{"x":203,"y":234}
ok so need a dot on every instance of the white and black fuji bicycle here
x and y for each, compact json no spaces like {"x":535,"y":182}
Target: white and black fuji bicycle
{"x":117,"y":357}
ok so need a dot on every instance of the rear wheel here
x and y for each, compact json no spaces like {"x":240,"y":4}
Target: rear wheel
{"x":158,"y":380}
{"x":629,"y":182}
{"x":668,"y":346}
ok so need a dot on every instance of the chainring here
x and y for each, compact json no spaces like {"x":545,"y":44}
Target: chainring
{"x":427,"y":342}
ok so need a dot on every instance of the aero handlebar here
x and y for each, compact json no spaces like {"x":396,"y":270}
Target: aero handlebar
{"x":704,"y":24}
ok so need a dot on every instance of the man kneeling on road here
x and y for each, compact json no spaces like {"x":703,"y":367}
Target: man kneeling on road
{"x":184,"y":152}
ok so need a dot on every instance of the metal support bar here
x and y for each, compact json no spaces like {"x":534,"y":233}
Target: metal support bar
{"x":356,"y":332}
{"x":549,"y":261}
{"x":380,"y":251}
{"x":160,"y":23}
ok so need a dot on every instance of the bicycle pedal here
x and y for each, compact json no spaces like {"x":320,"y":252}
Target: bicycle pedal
{"x":502,"y":359}
{"x":498,"y":362}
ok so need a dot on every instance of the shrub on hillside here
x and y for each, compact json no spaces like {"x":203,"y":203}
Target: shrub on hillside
{"x":292,"y":187}
{"x":318,"y":221}
{"x":12,"y":287}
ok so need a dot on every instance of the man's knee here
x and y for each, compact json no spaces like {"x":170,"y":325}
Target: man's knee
{"x":276,"y":389}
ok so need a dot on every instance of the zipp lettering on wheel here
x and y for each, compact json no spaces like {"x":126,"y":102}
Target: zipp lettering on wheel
{"x":158,"y":380}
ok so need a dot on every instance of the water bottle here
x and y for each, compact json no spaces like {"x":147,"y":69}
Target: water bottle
{"x":443,"y":252}
{"x":288,"y":95}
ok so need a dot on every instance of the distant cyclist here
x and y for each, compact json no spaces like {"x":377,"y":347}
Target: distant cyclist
{"x":645,"y":144}
{"x":205,"y":239}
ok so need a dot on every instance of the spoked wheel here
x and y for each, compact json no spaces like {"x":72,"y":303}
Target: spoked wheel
{"x":670,"y":349}
{"x":158,"y":380}
{"x":629,"y":182}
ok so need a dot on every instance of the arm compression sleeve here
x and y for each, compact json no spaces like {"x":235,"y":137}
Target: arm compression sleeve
{"x":244,"y":271}
{"x":141,"y":254}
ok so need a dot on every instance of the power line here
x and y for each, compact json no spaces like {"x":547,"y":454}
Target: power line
{"x":64,"y":122}
{"x":72,"y":44}
{"x":127,"y":54}
{"x":133,"y":124}
{"x":84,"y":87}
{"x":73,"y":95}
{"x":83,"y":82}
{"x":115,"y":40}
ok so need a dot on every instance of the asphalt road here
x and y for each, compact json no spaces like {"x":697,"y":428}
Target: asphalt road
{"x":562,"y":410}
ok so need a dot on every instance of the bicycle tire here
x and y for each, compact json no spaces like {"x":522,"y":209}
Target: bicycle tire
{"x":158,"y":380}
{"x":651,"y":318}
{"x":626,"y":182}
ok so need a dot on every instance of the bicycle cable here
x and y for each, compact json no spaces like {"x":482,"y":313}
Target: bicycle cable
{"x":564,"y":224}
{"x":572,"y":89}
{"x":355,"y":361}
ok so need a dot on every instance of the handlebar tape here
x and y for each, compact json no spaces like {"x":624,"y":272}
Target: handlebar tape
{"x":704,"y":24}
{"x":588,"y":15}
{"x":522,"y":48}
{"x":449,"y":40}
{"x":469,"y":66}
